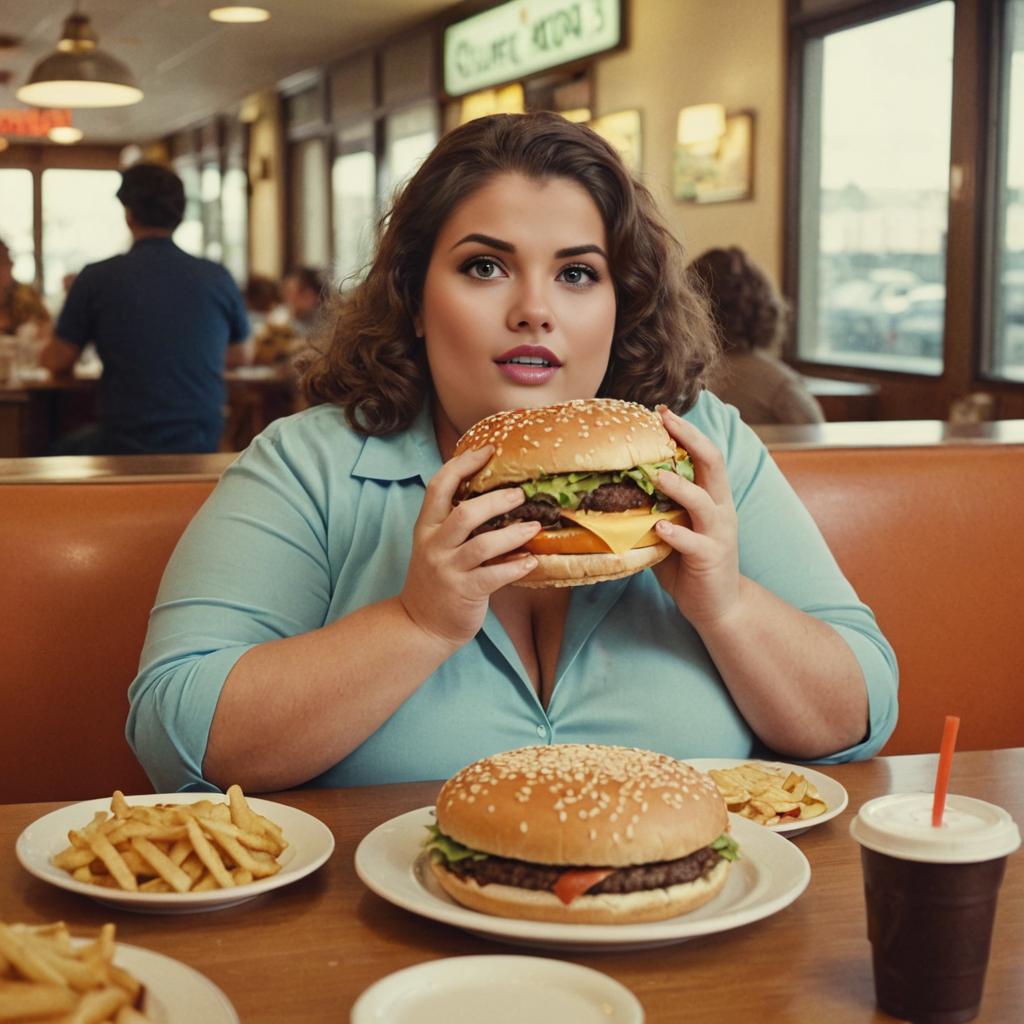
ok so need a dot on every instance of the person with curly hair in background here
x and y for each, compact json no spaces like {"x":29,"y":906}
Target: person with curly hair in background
{"x":331,"y":618}
{"x":752,"y":318}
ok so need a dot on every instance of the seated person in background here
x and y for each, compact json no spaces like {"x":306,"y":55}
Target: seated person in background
{"x":303,"y":291}
{"x":20,"y":304}
{"x":329,"y":617}
{"x":751,"y":317}
{"x":262,"y":299}
{"x":282,"y":338}
{"x":164,"y":324}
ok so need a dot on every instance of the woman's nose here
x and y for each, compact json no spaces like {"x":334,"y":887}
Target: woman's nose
{"x":530,"y":311}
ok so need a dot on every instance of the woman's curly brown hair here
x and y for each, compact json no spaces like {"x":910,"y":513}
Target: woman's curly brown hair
{"x":745,"y":304}
{"x":374,"y":366}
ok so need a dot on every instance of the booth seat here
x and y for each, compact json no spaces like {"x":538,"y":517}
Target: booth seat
{"x":931,"y":537}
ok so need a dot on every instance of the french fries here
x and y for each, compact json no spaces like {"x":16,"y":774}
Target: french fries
{"x":44,"y":977}
{"x":767,"y":796}
{"x":174,"y":848}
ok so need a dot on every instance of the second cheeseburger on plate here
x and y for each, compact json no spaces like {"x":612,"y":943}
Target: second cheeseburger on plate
{"x":581,"y":833}
{"x":588,"y":469}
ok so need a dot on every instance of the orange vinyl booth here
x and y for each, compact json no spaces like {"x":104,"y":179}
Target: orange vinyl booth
{"x":931,"y":537}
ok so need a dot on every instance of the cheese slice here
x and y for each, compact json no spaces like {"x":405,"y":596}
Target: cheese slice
{"x":623,"y":531}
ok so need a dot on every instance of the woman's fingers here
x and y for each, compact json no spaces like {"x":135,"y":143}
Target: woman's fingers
{"x":708,"y":464}
{"x":698,"y":503}
{"x":437,"y":502}
{"x":468,"y":515}
{"x":490,"y":578}
{"x":494,"y":543}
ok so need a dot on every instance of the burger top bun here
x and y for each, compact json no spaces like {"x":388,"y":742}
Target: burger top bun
{"x":582,"y":804}
{"x":594,"y":434}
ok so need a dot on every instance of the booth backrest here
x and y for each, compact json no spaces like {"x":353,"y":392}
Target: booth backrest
{"x":932,"y":539}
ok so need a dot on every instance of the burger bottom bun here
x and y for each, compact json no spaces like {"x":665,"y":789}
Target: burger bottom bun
{"x":576,"y":570}
{"x":627,"y":908}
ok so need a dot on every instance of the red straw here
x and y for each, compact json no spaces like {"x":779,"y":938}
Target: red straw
{"x":949,"y":732}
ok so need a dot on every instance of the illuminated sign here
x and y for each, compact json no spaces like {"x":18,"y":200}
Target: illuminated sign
{"x":523,"y":37}
{"x":32,"y":122}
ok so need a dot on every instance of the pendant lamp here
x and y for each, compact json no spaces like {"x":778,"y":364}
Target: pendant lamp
{"x":78,"y":74}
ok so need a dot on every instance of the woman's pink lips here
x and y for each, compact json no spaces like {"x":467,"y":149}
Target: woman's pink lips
{"x":525,"y":373}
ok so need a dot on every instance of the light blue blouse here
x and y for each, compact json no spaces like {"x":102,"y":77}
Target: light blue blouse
{"x":314,"y":521}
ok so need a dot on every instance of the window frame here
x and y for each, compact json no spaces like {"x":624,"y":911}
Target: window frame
{"x":970,"y":245}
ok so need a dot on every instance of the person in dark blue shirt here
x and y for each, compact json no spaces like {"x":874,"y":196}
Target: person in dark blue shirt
{"x":165,"y":324}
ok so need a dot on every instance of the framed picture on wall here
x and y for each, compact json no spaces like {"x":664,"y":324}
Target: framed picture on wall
{"x":718,"y":170}
{"x":622,"y":130}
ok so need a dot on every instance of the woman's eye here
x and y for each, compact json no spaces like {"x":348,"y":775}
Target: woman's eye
{"x":483,"y":269}
{"x":578,"y":276}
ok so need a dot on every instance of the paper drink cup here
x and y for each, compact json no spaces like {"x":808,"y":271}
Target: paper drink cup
{"x":931,"y":901}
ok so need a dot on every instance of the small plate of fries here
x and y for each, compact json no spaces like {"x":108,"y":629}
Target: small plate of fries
{"x":47,"y":975}
{"x":783,"y":797}
{"x":174,"y":852}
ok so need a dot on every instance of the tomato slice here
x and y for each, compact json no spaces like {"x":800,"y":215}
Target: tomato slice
{"x":575,"y":883}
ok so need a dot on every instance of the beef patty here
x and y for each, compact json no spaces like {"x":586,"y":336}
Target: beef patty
{"x":524,"y":875}
{"x":606,"y":498}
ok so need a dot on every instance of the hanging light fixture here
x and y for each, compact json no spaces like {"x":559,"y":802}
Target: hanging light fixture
{"x":78,"y":74}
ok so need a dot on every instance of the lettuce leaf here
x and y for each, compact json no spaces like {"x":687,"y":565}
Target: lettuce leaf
{"x":726,"y":847}
{"x":445,"y":848}
{"x":567,"y":490}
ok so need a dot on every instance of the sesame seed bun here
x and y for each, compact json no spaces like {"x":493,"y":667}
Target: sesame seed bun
{"x":582,"y":805}
{"x":638,"y":806}
{"x":593,"y":434}
{"x":588,"y":435}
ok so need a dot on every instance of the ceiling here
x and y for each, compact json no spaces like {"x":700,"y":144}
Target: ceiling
{"x":189,"y":67}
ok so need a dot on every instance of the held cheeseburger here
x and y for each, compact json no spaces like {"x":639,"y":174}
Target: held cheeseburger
{"x":588,"y":469}
{"x":581,"y":833}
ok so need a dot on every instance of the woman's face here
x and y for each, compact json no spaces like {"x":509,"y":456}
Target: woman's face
{"x":518,"y":303}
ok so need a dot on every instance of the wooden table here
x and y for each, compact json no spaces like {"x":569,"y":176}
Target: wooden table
{"x":844,"y":399}
{"x":305,"y":952}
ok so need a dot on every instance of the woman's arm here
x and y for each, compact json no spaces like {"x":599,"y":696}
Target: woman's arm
{"x":241,"y":683}
{"x":796,"y":680}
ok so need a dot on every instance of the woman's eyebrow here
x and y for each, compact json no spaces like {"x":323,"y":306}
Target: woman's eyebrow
{"x":497,"y":243}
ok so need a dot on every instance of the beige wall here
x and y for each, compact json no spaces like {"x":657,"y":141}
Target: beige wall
{"x":266,"y":203}
{"x":683,"y":52}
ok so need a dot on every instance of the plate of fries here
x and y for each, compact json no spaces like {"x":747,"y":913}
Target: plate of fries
{"x":783,"y":797}
{"x":47,"y":975}
{"x":174,"y":852}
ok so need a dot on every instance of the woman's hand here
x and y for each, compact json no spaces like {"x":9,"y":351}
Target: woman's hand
{"x":447,"y":586}
{"x":702,"y":575}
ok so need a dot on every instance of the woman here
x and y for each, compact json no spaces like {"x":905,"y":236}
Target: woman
{"x":751,"y":317}
{"x":19,"y":303}
{"x":327,"y":618}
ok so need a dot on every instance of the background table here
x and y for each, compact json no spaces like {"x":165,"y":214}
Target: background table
{"x":305,"y":952}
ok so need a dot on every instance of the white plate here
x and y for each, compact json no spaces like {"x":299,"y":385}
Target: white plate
{"x":174,"y":991}
{"x":834,"y":795}
{"x":499,"y":990}
{"x":310,"y":841}
{"x":769,"y":875}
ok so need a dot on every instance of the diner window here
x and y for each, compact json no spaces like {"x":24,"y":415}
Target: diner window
{"x":409,"y":135}
{"x":210,"y":195}
{"x":308,"y":202}
{"x":1008,"y":279}
{"x":83,"y":222}
{"x":16,"y":221}
{"x":354,"y":188}
{"x":235,"y":221}
{"x":189,"y":234}
{"x":874,"y":195}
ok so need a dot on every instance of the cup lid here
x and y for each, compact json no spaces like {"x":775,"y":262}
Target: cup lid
{"x":900,"y":825}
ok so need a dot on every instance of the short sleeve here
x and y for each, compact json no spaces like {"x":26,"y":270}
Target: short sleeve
{"x":251,"y":567}
{"x":782,"y":549}
{"x":77,"y":321}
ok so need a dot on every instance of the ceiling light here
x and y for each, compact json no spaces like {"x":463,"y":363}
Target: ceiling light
{"x":78,"y":74}
{"x":239,"y":15}
{"x":3,"y":143}
{"x":64,"y":134}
